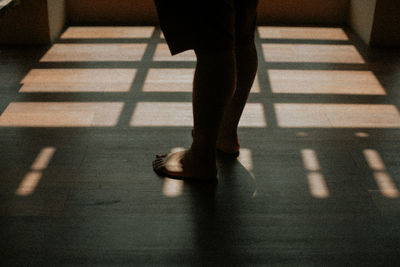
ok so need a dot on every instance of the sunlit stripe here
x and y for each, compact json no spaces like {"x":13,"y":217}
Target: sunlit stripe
{"x":374,"y":160}
{"x":302,"y":134}
{"x":383,"y":179}
{"x":42,"y":160}
{"x":386,"y":184}
{"x":29,"y":183}
{"x":172,"y":187}
{"x":94,"y":52}
{"x":337,"y":115}
{"x":316,"y":181}
{"x":169,"y":80}
{"x":176,"y":80}
{"x":32,"y":178}
{"x":162,"y":53}
{"x":312,"y":33}
{"x":361,"y":134}
{"x":61,"y":114}
{"x":179,"y":114}
{"x":347,"y":82}
{"x":310,"y":160}
{"x":246,"y":159}
{"x":312,"y":53}
{"x":78,"y":80}
{"x":120,"y":32}
{"x":317,"y":185}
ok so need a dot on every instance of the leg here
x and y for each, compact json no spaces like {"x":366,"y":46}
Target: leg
{"x":246,"y":58}
{"x":213,"y":86}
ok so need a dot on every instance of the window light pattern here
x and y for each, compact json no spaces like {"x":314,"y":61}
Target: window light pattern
{"x":134,"y":63}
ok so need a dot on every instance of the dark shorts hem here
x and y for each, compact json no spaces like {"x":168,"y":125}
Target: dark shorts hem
{"x":215,"y":24}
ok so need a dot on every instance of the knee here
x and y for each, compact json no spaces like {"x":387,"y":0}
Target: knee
{"x":249,"y":48}
{"x":216,"y":56}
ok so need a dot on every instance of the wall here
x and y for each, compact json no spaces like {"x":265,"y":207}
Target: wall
{"x":106,"y":12}
{"x":361,"y":18}
{"x":25,"y":23}
{"x":33,"y":22}
{"x":270,"y":11}
{"x":303,"y":11}
{"x":376,"y":21}
{"x":57,"y":12}
{"x":386,"y":26}
{"x":41,"y":21}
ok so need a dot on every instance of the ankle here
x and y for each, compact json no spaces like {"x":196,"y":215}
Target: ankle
{"x":227,"y":135}
{"x":202,"y":153}
{"x":228,"y":143}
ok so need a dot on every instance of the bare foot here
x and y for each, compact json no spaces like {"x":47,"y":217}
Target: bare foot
{"x":184,"y":165}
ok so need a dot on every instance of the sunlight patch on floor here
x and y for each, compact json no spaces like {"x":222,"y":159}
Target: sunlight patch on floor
{"x":310,"y":160}
{"x":337,"y":115}
{"x":162,"y":53}
{"x":97,"y":32}
{"x":176,"y":80}
{"x":172,"y":187}
{"x":78,"y":80}
{"x":94,"y":52}
{"x":311,"y":53}
{"x":311,"y":33}
{"x":179,"y":114}
{"x":169,"y":80}
{"x":316,"y":181}
{"x":29,"y":184}
{"x":43,"y":159}
{"x":32,"y":178}
{"x":374,"y":160}
{"x":383,"y":179}
{"x":362,"y":134}
{"x":325,"y":82}
{"x":317,"y":185}
{"x":246,"y":158}
{"x":61,"y":114}
{"x":157,"y":114}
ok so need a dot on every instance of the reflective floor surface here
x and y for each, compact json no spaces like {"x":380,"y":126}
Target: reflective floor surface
{"x":316,"y":184}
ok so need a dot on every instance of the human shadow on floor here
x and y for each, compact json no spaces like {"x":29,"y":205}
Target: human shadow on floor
{"x":216,"y":219}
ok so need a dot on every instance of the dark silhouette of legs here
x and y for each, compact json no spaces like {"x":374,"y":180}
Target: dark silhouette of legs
{"x":247,"y":62}
{"x":213,"y":86}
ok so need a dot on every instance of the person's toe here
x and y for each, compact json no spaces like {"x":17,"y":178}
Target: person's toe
{"x":160,"y":170}
{"x":158,"y":166}
{"x":157,"y":163}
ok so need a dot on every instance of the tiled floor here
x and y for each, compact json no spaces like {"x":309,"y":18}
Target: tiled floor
{"x":317,"y":182}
